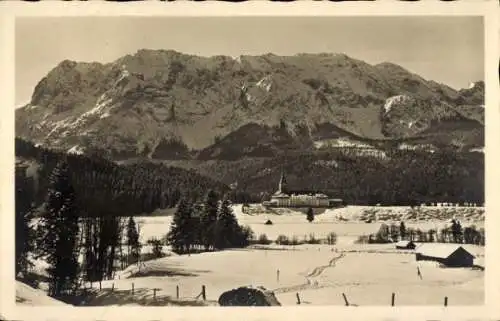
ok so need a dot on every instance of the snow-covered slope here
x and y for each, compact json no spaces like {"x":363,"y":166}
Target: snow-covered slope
{"x":27,"y":295}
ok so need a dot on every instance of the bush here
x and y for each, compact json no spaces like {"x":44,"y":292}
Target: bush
{"x":157,"y":247}
{"x":362,"y":239}
{"x":295,"y":241}
{"x":244,"y":236}
{"x":269,"y":222}
{"x":282,"y":240}
{"x":331,"y":238}
{"x":312,"y":239}
{"x":263,"y":239}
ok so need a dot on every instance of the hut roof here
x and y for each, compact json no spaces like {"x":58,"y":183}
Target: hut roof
{"x":442,"y":251}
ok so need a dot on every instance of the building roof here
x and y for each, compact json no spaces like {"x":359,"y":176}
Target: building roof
{"x":404,"y":243}
{"x":439,"y":250}
{"x":304,"y":192}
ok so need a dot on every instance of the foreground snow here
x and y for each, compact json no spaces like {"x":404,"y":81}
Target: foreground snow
{"x":366,"y":273}
{"x":27,"y":295}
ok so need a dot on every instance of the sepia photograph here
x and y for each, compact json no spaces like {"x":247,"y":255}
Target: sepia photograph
{"x":213,"y":161}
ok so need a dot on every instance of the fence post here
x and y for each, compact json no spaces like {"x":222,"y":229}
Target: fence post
{"x":177,"y":291}
{"x":203,"y":293}
{"x":100,"y":285}
{"x":393,"y":298}
{"x":298,"y":298}
{"x":445,"y":301}
{"x":345,"y":299}
{"x":154,"y":294}
{"x":132,"y":287}
{"x":112,"y":286}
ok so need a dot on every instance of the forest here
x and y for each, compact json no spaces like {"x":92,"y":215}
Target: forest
{"x":105,"y":188}
{"x":399,"y":177}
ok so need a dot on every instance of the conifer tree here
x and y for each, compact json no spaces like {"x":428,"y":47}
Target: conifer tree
{"x":180,"y":233}
{"x":310,"y":214}
{"x":24,"y":233}
{"x":209,"y":220}
{"x":133,"y":244}
{"x":227,"y":230}
{"x":196,"y":232}
{"x":59,"y":232}
{"x":402,"y":230}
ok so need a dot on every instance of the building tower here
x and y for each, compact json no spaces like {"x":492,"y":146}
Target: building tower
{"x":283,"y":188}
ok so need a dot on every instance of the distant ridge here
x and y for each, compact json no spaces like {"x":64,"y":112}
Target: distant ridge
{"x":155,"y":101}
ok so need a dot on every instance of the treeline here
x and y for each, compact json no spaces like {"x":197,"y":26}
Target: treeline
{"x":105,"y":188}
{"x":450,"y":234}
{"x":398,"y":178}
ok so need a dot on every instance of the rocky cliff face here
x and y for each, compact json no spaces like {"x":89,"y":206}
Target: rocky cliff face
{"x":143,"y":103}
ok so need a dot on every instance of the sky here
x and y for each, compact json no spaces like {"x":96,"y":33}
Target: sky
{"x":449,"y":50}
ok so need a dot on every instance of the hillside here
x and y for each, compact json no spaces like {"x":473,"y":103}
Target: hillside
{"x":105,"y":188}
{"x":359,"y":177}
{"x":164,"y":104}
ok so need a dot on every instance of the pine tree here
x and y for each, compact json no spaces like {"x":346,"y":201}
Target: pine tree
{"x":24,"y":233}
{"x":394,"y":232}
{"x":227,"y":230}
{"x":209,"y":220}
{"x":402,"y":230}
{"x":112,"y":230}
{"x":59,"y":232}
{"x":310,"y":214}
{"x":88,"y":248}
{"x":456,"y":230}
{"x":196,"y":233}
{"x":180,"y":235}
{"x":157,"y":247}
{"x":133,"y":244}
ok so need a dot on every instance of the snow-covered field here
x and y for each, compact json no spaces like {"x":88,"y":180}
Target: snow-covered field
{"x":345,"y":222}
{"x":366,"y":273}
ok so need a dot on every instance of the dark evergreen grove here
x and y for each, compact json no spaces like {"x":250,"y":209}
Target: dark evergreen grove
{"x":59,"y":233}
{"x":208,"y":226}
{"x":24,"y":233}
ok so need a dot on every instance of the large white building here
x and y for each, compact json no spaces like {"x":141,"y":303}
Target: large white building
{"x":284,"y":197}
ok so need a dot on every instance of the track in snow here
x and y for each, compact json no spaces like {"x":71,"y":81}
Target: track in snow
{"x":311,"y":283}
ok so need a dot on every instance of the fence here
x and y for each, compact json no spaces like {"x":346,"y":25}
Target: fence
{"x":203,"y":294}
{"x":149,"y":296}
{"x":347,"y":303}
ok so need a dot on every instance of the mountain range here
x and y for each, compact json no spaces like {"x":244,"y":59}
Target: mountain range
{"x":166,"y":105}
